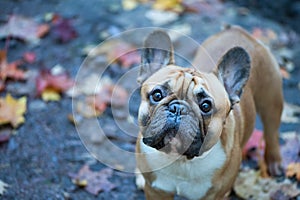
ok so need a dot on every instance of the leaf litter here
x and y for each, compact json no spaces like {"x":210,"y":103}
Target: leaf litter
{"x":50,"y":84}
{"x":93,"y":181}
{"x":23,"y":28}
{"x":10,"y":70}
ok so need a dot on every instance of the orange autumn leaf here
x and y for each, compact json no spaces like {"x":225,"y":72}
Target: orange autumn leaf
{"x":9,"y":70}
{"x":12,"y":110}
{"x":124,"y":54}
{"x":108,"y":95}
{"x":293,"y":169}
{"x":55,"y":82}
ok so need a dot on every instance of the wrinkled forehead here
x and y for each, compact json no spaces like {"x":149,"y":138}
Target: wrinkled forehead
{"x":179,"y":81}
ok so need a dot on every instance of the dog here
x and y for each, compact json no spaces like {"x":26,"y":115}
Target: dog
{"x":195,"y":121}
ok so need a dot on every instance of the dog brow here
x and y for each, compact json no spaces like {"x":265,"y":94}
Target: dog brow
{"x":166,"y":85}
{"x":201,"y":93}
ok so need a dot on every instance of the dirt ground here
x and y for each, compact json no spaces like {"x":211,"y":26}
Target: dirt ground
{"x":37,"y":159}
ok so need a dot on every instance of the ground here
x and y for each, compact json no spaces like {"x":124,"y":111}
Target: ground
{"x":38,"y":158}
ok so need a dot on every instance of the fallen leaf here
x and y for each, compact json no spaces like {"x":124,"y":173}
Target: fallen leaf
{"x":249,"y":185}
{"x":284,"y":73}
{"x":109,"y":95}
{"x":211,"y":8}
{"x":129,"y":4}
{"x":23,"y":28}
{"x":129,"y":59}
{"x":264,"y":35}
{"x":124,"y":53}
{"x":12,"y":110}
{"x":290,"y":149}
{"x":93,"y":182}
{"x":29,"y":57}
{"x":9,"y":70}
{"x":285,"y":192}
{"x":62,"y":29}
{"x":3,"y":187}
{"x":50,"y":94}
{"x":87,"y":108}
{"x":172,"y":5}
{"x":292,"y":170}
{"x":289,"y":113}
{"x":55,"y":82}
{"x":255,"y":142}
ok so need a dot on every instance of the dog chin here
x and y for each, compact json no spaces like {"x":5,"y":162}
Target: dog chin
{"x":174,"y":145}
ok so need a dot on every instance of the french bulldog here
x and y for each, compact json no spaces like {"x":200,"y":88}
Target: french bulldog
{"x":195,"y":121}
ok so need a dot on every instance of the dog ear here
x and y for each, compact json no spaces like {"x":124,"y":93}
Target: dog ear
{"x":157,"y":53}
{"x":233,"y":71}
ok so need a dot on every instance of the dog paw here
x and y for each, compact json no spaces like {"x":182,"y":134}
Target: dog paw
{"x":139,"y":179}
{"x":275,"y":169}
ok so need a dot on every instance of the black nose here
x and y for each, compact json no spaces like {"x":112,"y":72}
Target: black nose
{"x":177,"y":108}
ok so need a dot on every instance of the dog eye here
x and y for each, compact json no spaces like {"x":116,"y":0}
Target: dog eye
{"x":206,"y":106}
{"x":156,"y":95}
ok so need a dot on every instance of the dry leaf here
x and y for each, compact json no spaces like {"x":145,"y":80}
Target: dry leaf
{"x":173,"y":5}
{"x":292,"y":170}
{"x":29,"y":57}
{"x":23,"y":28}
{"x":124,"y":53}
{"x":50,"y":94}
{"x":9,"y":70}
{"x":56,"y":82}
{"x":285,"y":192}
{"x":12,"y":110}
{"x":87,"y":108}
{"x":256,"y":141}
{"x":3,"y":187}
{"x":290,"y":149}
{"x":63,"y":29}
{"x":264,"y":35}
{"x":93,"y":182}
{"x":129,"y":4}
{"x":249,"y":185}
{"x":109,"y":95}
{"x":284,"y":73}
{"x":290,"y":112}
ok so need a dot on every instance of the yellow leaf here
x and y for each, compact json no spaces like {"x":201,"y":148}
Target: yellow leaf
{"x":129,"y":4}
{"x":12,"y":110}
{"x":50,"y":95}
{"x":175,"y":5}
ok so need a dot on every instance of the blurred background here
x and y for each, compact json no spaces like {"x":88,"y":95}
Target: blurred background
{"x":49,"y":143}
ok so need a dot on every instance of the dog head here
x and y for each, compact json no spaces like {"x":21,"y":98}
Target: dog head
{"x":183,"y":110}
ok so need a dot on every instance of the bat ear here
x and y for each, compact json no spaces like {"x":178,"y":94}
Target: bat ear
{"x":233,"y":71}
{"x":157,"y":53}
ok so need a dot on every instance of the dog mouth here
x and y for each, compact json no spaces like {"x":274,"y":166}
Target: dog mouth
{"x":174,"y":141}
{"x":175,"y":129}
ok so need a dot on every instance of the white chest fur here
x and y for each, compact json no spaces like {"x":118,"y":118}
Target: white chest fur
{"x":188,"y":178}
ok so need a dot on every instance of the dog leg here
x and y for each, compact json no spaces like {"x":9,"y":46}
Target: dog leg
{"x":270,"y":113}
